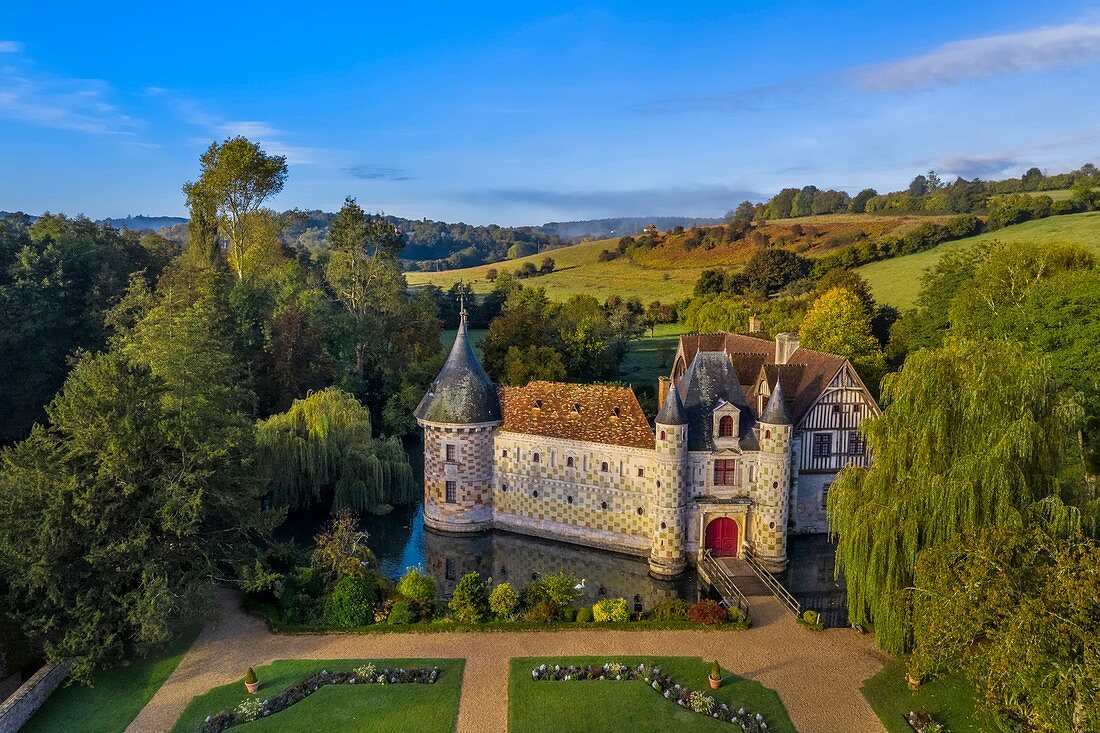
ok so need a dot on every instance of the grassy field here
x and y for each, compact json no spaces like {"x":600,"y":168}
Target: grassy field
{"x":897,"y":281}
{"x":949,"y":699}
{"x":650,"y":357}
{"x":668,"y":272}
{"x":585,"y":706}
{"x":115,"y":699}
{"x":421,"y":708}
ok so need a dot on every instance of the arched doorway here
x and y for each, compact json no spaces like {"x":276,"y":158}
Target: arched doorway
{"x":721,"y":537}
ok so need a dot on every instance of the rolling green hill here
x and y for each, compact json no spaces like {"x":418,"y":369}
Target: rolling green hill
{"x":897,"y":281}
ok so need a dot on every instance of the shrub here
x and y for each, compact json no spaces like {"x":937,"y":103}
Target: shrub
{"x":584,"y":615}
{"x":611,"y":609}
{"x":250,"y":676}
{"x":542,"y":612}
{"x":707,"y":612}
{"x":417,"y":586}
{"x":715,"y":670}
{"x":400,"y":614}
{"x":470,"y":602}
{"x":671,"y":610}
{"x":351,"y":603}
{"x":503,"y":601}
{"x":559,"y":590}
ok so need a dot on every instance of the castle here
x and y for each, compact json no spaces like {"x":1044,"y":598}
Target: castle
{"x":750,"y":434}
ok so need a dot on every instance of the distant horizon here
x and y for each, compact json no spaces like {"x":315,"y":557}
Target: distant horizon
{"x":504,"y":114}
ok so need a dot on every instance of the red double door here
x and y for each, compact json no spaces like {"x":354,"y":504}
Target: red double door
{"x":721,"y":537}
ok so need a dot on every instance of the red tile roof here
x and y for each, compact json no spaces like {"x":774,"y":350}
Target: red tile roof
{"x":606,"y":414}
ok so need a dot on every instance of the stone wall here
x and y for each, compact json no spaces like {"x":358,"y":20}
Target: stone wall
{"x":18,"y":709}
{"x":471,"y":471}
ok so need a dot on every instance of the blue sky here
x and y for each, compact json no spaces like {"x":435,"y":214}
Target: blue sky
{"x":521,"y":113}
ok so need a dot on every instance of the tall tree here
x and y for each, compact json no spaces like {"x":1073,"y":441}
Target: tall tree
{"x":236,"y":177}
{"x":839,"y":323}
{"x":973,"y":435}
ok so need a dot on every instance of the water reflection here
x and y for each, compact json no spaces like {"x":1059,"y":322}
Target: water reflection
{"x":809,"y":578}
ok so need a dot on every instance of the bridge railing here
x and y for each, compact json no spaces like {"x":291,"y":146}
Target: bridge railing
{"x":772,"y":583}
{"x":732,"y":596}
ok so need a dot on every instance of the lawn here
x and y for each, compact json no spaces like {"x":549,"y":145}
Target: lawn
{"x":651,"y":357}
{"x":401,"y":707}
{"x":581,"y":707}
{"x":896,"y":282}
{"x":950,"y":700}
{"x":116,"y":697}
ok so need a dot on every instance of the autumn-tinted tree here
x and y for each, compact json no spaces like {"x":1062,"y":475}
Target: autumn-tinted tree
{"x":839,"y":323}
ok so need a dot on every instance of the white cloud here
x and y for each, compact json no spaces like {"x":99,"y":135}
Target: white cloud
{"x":1013,"y":53}
{"x":10,"y":46}
{"x":65,"y":104}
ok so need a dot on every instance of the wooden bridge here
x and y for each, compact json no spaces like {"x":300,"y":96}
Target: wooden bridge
{"x":739,"y":578}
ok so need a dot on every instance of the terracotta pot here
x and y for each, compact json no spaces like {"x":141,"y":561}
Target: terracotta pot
{"x":252,"y":687}
{"x":714,"y":684}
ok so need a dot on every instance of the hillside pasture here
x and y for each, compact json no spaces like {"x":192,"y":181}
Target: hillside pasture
{"x":896,"y":282}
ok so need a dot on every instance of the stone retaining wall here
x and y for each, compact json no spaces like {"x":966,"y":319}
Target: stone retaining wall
{"x":24,"y":702}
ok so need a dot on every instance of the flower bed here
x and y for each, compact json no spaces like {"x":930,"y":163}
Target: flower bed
{"x":694,"y":700}
{"x":255,"y":708}
{"x":924,"y":723}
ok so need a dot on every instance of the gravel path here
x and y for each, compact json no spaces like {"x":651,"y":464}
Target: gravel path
{"x":817,"y":674}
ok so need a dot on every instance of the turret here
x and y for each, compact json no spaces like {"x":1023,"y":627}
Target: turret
{"x":459,"y":415}
{"x":771,"y":495}
{"x":668,"y":505}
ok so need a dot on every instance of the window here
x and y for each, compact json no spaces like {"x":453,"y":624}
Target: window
{"x":725,"y":427}
{"x":641,"y":472}
{"x":538,"y":404}
{"x":662,"y":435}
{"x":725,"y":471}
{"x":856,"y":446}
{"x":823,"y":444}
{"x":641,"y":511}
{"x":752,"y":473}
{"x":603,"y":505}
{"x":767,"y":434}
{"x":451,"y":453}
{"x":452,"y":492}
{"x":857,"y":409}
{"x":569,"y":499}
{"x":825,"y":496}
{"x":603,"y":467}
{"x":504,"y":453}
{"x":615,"y":411}
{"x":449,"y":568}
{"x":570,"y":462}
{"x":836,"y":409}
{"x":535,"y":457}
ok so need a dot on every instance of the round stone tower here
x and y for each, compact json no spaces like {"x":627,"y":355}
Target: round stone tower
{"x":459,"y":415}
{"x":667,"y":506}
{"x":771,"y":497}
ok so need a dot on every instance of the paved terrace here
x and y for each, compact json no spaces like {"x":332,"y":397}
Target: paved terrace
{"x":817,"y":674}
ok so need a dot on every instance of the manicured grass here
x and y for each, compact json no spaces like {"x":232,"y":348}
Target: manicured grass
{"x":950,"y":700}
{"x":651,"y":357}
{"x":345,"y":708}
{"x":585,"y":706}
{"x":114,"y":700}
{"x":897,"y":281}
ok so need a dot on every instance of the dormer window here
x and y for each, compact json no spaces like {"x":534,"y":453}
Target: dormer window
{"x":577,"y":407}
{"x":615,"y":411}
{"x":538,"y":404}
{"x":725,"y":427}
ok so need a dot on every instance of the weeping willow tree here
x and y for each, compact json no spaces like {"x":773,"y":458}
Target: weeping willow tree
{"x":974,"y":435}
{"x":320,"y":452}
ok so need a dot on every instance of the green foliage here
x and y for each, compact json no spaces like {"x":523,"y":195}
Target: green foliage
{"x":1002,"y":606}
{"x":610,"y":609}
{"x":503,"y":601}
{"x":340,"y":549}
{"x":558,"y":589}
{"x":351,"y":603}
{"x":417,"y":586}
{"x":400,"y":613}
{"x":715,"y":671}
{"x":728,"y":312}
{"x":532,"y":363}
{"x":675,"y":609}
{"x":973,"y":434}
{"x":542,"y":612}
{"x":769,"y":270}
{"x":838,"y":323}
{"x":321,"y":452}
{"x":250,"y":676}
{"x":584,"y":615}
{"x":470,"y":600}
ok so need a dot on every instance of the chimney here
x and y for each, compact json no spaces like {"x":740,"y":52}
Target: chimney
{"x":662,"y":389}
{"x":785,"y":346}
{"x":755,"y":324}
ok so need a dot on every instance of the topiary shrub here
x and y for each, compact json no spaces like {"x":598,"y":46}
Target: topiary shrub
{"x":611,"y":609}
{"x":470,"y":602}
{"x":707,"y":612}
{"x":351,"y":603}
{"x":584,"y":615}
{"x":400,"y":614}
{"x":503,"y":601}
{"x":670,"y":610}
{"x":542,"y":612}
{"x":250,"y":677}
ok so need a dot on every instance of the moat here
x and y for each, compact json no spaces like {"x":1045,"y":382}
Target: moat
{"x":400,"y":540}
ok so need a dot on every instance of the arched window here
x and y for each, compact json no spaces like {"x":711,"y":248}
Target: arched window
{"x":725,"y":427}
{"x":662,"y":435}
{"x":535,"y":457}
{"x":767,"y":433}
{"x":569,"y":462}
{"x":603,"y":467}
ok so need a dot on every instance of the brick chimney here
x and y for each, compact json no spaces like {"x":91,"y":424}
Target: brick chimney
{"x":755,"y":324}
{"x":785,"y":346}
{"x":662,"y":389}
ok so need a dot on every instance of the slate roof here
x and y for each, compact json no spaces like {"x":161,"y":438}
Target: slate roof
{"x":804,"y":377}
{"x":776,"y":412}
{"x":672,"y":412}
{"x":709,"y":381}
{"x":462,"y":393}
{"x":594,"y":413}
